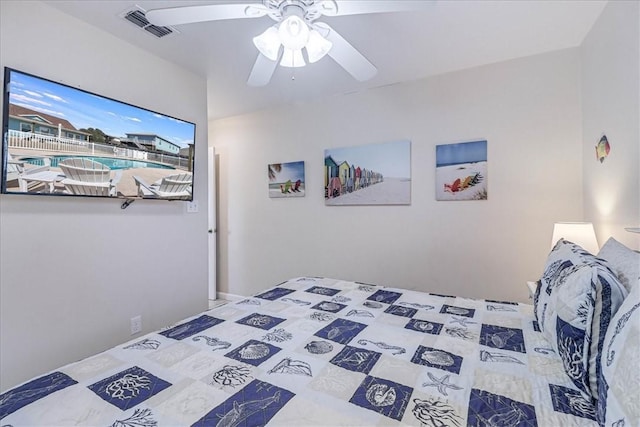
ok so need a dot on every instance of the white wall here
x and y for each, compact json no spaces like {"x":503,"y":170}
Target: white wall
{"x":528,"y":110}
{"x":611,"y":105}
{"x":74,"y":271}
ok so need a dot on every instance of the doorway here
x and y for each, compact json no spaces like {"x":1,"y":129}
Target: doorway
{"x":211,"y":219}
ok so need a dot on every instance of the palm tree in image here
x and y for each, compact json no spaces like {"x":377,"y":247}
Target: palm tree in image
{"x":273,"y":169}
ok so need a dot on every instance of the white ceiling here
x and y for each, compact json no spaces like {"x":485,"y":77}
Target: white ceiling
{"x":446,"y":35}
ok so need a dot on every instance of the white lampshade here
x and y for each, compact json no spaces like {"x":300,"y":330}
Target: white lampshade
{"x":292,"y":58}
{"x":580,"y":233}
{"x":293,"y":32}
{"x":317,"y":46}
{"x":268,"y":43}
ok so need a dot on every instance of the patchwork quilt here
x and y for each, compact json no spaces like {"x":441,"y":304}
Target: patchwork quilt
{"x":319,"y":352}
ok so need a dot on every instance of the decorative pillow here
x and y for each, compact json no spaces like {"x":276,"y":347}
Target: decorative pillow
{"x":624,"y":261}
{"x":564,"y":306}
{"x":564,"y":259}
{"x":618,"y":390}
{"x":577,"y":296}
{"x":568,"y":325}
{"x":609,"y":295}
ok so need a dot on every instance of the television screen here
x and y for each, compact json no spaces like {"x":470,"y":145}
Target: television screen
{"x":63,"y":141}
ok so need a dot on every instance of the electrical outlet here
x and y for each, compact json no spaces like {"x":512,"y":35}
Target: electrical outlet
{"x":136,"y":325}
{"x":192,"y":207}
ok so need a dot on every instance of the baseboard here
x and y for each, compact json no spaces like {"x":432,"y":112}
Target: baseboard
{"x":229,"y":297}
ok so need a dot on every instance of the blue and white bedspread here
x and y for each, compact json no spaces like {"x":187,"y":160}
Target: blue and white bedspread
{"x":317,"y":351}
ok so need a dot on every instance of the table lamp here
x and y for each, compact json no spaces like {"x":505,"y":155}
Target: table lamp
{"x":580,"y":233}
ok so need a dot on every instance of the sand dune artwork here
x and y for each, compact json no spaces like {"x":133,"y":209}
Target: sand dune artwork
{"x":461,"y":171}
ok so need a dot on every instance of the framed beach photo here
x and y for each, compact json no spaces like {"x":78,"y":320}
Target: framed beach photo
{"x":461,"y":171}
{"x":374,"y":174}
{"x":286,"y":179}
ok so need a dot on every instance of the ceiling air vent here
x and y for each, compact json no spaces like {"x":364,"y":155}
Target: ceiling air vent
{"x":137,"y":17}
{"x":158,"y":31}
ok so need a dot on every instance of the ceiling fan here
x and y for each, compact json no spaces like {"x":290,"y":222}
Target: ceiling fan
{"x":296,"y":33}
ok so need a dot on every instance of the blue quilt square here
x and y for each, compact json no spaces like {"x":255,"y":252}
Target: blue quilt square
{"x":488,"y":409}
{"x":330,"y":306}
{"x":502,"y":337}
{"x":34,"y":390}
{"x":436,"y":358}
{"x":129,"y":388}
{"x":320,"y":290}
{"x":261,"y":321}
{"x":191,"y":327}
{"x":387,"y":297}
{"x":341,"y":331}
{"x":399,"y":310}
{"x":254,"y":405}
{"x":356,"y":359}
{"x":253,"y":352}
{"x":572,"y":402}
{"x":382,"y":396}
{"x":458,"y":311}
{"x":424,"y":326}
{"x":274,"y":294}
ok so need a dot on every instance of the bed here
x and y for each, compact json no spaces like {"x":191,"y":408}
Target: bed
{"x":327,"y":352}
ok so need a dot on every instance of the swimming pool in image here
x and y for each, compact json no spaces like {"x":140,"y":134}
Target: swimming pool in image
{"x":111,"y":163}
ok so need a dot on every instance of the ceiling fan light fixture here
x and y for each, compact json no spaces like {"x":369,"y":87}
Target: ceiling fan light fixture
{"x":293,"y":32}
{"x":317,"y":46}
{"x":292,"y":58}
{"x":268,"y":43}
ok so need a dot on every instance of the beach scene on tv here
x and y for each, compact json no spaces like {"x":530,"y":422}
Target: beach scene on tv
{"x":461,"y":171}
{"x":374,"y":174}
{"x":64,"y":141}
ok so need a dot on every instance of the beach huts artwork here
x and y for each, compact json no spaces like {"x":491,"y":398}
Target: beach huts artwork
{"x":461,"y":171}
{"x":374,"y":174}
{"x":286,"y":179}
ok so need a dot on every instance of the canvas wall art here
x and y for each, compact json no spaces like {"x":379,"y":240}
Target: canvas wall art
{"x":461,"y":171}
{"x":374,"y":174}
{"x":286,"y":179}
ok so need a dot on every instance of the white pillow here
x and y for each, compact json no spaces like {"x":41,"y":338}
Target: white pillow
{"x":619,"y":394}
{"x":624,"y":262}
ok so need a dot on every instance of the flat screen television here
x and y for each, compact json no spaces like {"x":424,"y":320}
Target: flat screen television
{"x":62,"y":141}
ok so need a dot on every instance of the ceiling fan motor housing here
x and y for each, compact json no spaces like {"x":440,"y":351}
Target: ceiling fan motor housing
{"x":308,"y":10}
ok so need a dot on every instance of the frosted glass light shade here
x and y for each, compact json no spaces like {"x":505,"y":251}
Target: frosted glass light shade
{"x":268,"y":43}
{"x":317,"y":46}
{"x":292,"y":58}
{"x":580,"y":233}
{"x":293,"y":32}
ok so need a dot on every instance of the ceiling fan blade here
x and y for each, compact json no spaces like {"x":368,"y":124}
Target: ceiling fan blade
{"x":346,"y":55}
{"x":262,"y":71}
{"x":210,"y":12}
{"x":352,"y":7}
